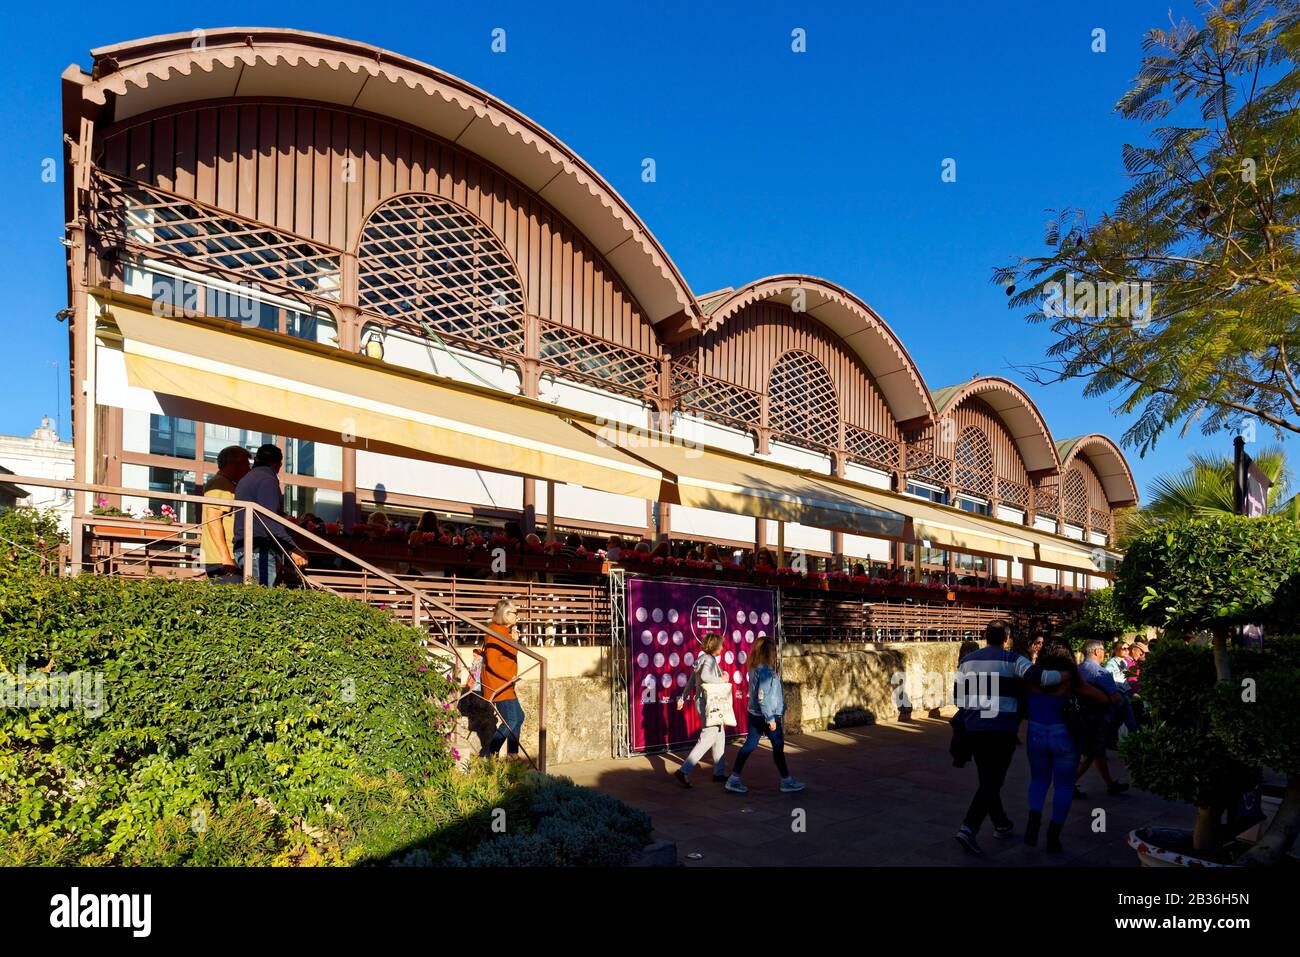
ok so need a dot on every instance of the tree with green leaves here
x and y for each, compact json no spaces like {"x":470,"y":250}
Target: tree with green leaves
{"x":1202,"y":490}
{"x":1183,"y":301}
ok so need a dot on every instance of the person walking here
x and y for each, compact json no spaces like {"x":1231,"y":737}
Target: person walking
{"x":1051,"y":747}
{"x":1097,"y":719}
{"x":500,"y":668}
{"x":710,"y":702}
{"x":262,"y":486}
{"x":988,"y":691}
{"x":217,"y":540}
{"x":766,"y":708}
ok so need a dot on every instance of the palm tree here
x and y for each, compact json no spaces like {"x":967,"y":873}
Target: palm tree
{"x":1204,"y":488}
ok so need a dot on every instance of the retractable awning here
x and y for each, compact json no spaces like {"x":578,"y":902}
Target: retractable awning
{"x":742,"y":485}
{"x":354,"y":398}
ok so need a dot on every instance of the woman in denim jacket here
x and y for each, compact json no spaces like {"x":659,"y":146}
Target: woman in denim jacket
{"x":766,"y":709}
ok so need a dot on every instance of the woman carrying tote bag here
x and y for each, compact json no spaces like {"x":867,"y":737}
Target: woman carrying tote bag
{"x":712,"y":693}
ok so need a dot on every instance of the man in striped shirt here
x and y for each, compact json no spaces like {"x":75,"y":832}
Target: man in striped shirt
{"x":990,"y":684}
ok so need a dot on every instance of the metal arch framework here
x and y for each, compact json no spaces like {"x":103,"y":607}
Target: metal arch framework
{"x":1116,"y":479}
{"x":867,"y":335}
{"x":140,"y":76}
{"x":1029,"y":430}
{"x":424,"y":257}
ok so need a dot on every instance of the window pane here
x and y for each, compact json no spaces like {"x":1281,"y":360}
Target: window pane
{"x":171,"y":436}
{"x":217,"y":437}
{"x":176,"y":481}
{"x":313,"y":458}
{"x":325,"y":504}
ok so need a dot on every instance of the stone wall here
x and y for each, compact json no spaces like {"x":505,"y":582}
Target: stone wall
{"x":826,"y":686}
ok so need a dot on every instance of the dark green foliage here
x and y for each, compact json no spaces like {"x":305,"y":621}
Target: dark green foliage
{"x":1256,"y":715}
{"x":567,"y":826}
{"x":29,"y":538}
{"x":1177,"y":756}
{"x":1101,"y":619}
{"x":251,"y":726}
{"x":1208,"y":573}
{"x":214,"y":695}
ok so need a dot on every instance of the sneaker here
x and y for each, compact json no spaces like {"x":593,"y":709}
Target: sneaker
{"x":1005,"y":832}
{"x":736,"y":786}
{"x":1117,"y":787}
{"x":790,"y":785}
{"x":966,"y":838}
{"x":719,"y":779}
{"x":683,"y":778}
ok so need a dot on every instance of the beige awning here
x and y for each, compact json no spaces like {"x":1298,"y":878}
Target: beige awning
{"x":353,"y":398}
{"x":742,"y":485}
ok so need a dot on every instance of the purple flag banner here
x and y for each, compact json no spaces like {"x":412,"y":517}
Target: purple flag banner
{"x":665,"y":621}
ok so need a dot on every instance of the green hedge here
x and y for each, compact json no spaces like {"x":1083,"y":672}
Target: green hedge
{"x":29,"y":538}
{"x":249,"y":709}
{"x":1211,"y":573}
{"x":1175,"y":754}
{"x":251,"y":726}
{"x":1101,"y":619}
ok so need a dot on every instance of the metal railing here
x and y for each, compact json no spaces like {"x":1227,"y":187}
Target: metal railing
{"x":412,"y":604}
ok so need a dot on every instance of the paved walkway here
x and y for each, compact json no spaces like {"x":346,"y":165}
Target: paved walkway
{"x":881,"y":795}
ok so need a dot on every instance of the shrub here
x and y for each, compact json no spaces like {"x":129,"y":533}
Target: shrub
{"x":1257,"y":715}
{"x":1101,"y":618}
{"x":1208,"y":573}
{"x":566,"y":826}
{"x":29,"y":538}
{"x":1175,"y":755}
{"x":215,"y":696}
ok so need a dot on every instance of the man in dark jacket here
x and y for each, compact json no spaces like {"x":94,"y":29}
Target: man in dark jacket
{"x":989,"y":686}
{"x":270,"y":538}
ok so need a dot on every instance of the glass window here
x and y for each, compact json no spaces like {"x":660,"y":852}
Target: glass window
{"x":317,"y":459}
{"x":179,"y":482}
{"x":217,"y":437}
{"x":245,"y":310}
{"x":972,"y":564}
{"x":973,"y":505}
{"x":171,"y":436}
{"x":929,"y":556}
{"x":924,"y":491}
{"x":325,"y":504}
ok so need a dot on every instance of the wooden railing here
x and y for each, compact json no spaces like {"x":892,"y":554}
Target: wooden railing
{"x":820,"y":618}
{"x":548,"y":614}
{"x":169,"y":549}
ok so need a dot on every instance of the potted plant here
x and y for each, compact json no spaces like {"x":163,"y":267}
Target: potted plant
{"x":1208,"y":733}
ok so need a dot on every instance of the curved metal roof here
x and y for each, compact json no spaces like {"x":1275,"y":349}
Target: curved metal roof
{"x":157,"y":72}
{"x":852,"y":320}
{"x":1107,"y":461}
{"x":1018,"y":412}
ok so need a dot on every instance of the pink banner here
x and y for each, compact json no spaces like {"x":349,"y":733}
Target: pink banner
{"x":665,"y":621}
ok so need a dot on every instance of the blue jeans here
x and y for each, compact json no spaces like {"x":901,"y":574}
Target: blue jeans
{"x":264,"y":564}
{"x":512,"y":721}
{"x":758,"y":728}
{"x":1053,"y":759}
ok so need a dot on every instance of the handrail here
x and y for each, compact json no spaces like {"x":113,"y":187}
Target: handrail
{"x":249,"y":509}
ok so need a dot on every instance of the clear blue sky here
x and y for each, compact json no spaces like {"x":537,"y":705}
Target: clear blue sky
{"x":768,"y":161}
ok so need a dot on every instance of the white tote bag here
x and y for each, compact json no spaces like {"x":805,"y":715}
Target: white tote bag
{"x":717,"y":708}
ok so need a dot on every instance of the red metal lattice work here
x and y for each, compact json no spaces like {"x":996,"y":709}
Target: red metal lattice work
{"x":425,"y":260}
{"x":802,"y":400}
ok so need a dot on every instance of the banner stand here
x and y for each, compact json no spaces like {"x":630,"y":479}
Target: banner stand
{"x":662,"y":620}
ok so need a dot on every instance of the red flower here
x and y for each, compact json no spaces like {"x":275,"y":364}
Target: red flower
{"x":332,"y":528}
